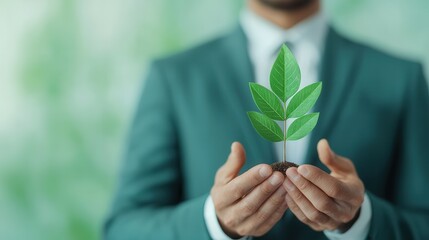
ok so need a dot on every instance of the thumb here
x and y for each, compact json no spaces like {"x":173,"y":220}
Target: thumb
{"x":335,"y":163}
{"x":233,"y":164}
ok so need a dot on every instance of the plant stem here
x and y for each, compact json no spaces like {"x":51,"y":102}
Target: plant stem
{"x":284,"y":134}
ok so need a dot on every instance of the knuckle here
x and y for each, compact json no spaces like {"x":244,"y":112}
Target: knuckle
{"x":262,"y":216}
{"x":335,"y":191}
{"x":346,"y":217}
{"x":297,"y":196}
{"x":277,"y":200}
{"x":266,"y":189}
{"x":243,"y":231}
{"x":358,"y":200}
{"x":255,"y":177}
{"x":318,"y":217}
{"x":316,"y":228}
{"x":291,"y":204}
{"x":266,"y":217}
{"x":305,"y":220}
{"x":234,"y":188}
{"x":230,"y":221}
{"x":227,"y":221}
{"x":303,"y":185}
{"x":237,"y":191}
{"x":274,"y":217}
{"x":237,"y":194}
{"x":331,"y":226}
{"x":313,"y":176}
{"x":247,"y":208}
{"x":314,"y":216}
{"x":324,"y":205}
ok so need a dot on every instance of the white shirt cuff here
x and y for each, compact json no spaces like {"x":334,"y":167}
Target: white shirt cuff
{"x":213,"y":226}
{"x":360,"y":228}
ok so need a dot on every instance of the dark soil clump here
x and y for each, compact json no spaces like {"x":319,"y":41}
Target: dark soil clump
{"x":282,"y":166}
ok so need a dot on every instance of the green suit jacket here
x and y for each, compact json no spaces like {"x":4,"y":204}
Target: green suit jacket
{"x":374,"y":110}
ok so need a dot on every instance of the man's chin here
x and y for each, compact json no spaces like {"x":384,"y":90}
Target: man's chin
{"x":289,"y":5}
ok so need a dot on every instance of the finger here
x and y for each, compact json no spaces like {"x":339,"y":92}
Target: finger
{"x":244,"y":183}
{"x":253,"y":201}
{"x":271,"y":211}
{"x":334,"y":162}
{"x":233,"y":164}
{"x":330,"y":185}
{"x":310,"y":212}
{"x":300,"y":215}
{"x":267,"y":196}
{"x":276,"y":216}
{"x":319,"y":199}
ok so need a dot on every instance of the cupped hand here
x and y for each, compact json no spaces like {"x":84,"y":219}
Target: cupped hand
{"x":249,"y":204}
{"x":325,"y":201}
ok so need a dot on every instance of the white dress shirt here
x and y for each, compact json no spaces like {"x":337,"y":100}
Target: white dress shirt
{"x":306,"y":41}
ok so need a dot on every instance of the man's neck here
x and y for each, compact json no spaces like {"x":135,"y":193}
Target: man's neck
{"x":284,"y":18}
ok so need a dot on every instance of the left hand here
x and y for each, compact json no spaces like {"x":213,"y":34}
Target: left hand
{"x":325,"y":201}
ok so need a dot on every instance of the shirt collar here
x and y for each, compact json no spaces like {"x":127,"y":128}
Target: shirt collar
{"x":265,"y":38}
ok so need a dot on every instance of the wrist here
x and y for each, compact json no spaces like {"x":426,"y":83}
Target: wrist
{"x":216,"y":231}
{"x":230,"y":233}
{"x":346,"y":226}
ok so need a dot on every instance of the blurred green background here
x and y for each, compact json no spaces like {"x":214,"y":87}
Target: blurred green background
{"x":70,"y":74}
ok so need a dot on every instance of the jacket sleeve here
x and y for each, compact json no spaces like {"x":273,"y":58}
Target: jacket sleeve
{"x":406,"y":214}
{"x":148,"y":203}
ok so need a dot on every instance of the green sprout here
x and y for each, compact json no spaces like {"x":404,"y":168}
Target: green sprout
{"x":285,"y":79}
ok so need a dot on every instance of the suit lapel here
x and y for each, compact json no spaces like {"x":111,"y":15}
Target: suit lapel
{"x":338,"y":70}
{"x":237,"y":65}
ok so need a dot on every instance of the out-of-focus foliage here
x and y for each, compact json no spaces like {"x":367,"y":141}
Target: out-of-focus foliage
{"x":70,"y":73}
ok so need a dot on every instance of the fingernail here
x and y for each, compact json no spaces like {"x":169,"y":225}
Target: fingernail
{"x":275,"y":180}
{"x":264,"y":171}
{"x":303,"y":171}
{"x":288,"y":185}
{"x":293,"y":174}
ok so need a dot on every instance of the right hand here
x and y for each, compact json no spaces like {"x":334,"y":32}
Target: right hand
{"x":249,"y":204}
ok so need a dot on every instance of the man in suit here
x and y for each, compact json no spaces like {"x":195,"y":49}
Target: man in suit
{"x":176,"y":184}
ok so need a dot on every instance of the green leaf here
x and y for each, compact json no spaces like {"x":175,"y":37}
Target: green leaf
{"x":267,"y":102}
{"x":285,"y":75}
{"x":304,"y":100}
{"x":266,"y":127}
{"x":302,"y":126}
